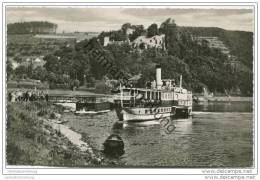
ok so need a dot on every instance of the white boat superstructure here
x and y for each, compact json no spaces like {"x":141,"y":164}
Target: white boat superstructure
{"x":161,"y":99}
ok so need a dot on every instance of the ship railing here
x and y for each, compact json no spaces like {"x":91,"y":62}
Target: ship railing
{"x":185,"y":103}
{"x":118,"y":97}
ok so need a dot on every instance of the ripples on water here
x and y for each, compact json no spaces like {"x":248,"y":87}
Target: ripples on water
{"x":217,"y":135}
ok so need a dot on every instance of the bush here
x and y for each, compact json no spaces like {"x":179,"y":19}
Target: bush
{"x":13,"y":152}
{"x":42,"y":112}
{"x":74,"y":84}
{"x":101,"y":87}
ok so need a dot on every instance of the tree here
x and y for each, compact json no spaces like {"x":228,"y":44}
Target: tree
{"x":75,"y":84}
{"x":125,"y":26}
{"x":39,"y":73}
{"x":138,"y":31}
{"x":20,"y":71}
{"x":52,"y":63}
{"x":66,"y":78}
{"x":169,"y":28}
{"x":52,"y":77}
{"x":152,"y":30}
{"x":18,"y":59}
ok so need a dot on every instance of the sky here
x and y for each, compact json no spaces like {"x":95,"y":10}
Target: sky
{"x":93,"y":19}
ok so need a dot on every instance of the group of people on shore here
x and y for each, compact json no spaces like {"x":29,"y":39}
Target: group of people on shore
{"x":28,"y":95}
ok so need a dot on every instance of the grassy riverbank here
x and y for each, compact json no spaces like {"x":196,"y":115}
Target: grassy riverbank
{"x":32,"y":141}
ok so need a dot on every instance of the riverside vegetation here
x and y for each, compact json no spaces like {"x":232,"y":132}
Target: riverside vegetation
{"x":31,"y":141}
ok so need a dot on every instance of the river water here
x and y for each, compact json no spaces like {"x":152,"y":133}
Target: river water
{"x":217,"y":135}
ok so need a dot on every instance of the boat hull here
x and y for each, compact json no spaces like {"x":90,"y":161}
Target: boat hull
{"x":114,"y":146}
{"x":90,"y":112}
{"x":124,"y":114}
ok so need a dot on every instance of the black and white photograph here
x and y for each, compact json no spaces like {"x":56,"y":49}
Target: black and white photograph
{"x":129,"y":86}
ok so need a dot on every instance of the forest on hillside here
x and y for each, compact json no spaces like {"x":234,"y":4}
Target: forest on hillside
{"x":240,"y":43}
{"x":199,"y":65}
{"x":33,"y":27}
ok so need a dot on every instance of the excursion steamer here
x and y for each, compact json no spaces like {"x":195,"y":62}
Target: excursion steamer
{"x":159,"y":100}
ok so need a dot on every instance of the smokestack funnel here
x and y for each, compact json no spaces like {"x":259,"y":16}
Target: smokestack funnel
{"x":181,"y":81}
{"x":158,"y":77}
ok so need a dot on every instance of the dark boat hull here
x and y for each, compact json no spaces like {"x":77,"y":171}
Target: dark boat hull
{"x":114,"y":146}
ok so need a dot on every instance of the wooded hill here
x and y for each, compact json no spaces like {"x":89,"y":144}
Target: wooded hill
{"x":240,"y":43}
{"x":33,"y":27}
{"x":200,"y":65}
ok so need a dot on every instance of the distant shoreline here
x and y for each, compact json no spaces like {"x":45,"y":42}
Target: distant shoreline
{"x":224,"y":99}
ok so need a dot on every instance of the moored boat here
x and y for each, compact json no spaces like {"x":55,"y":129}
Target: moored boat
{"x":114,"y":145}
{"x":84,"y":112}
{"x":93,"y":105}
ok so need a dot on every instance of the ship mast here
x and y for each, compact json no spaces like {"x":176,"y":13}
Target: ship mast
{"x":134,"y":97}
{"x":121,"y":94}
